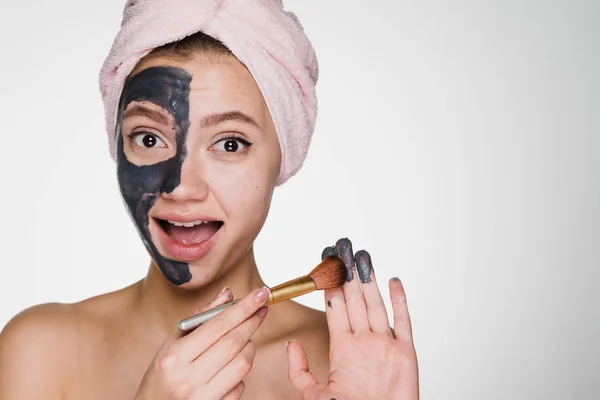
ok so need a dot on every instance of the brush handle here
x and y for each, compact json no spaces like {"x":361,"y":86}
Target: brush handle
{"x":195,"y":321}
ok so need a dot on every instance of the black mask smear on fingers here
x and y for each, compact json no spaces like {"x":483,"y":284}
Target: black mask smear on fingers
{"x":344,"y":249}
{"x":328,"y":251}
{"x":169,"y":88}
{"x":363,"y":266}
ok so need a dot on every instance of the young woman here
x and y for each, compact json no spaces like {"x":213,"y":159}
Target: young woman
{"x":200,"y":142}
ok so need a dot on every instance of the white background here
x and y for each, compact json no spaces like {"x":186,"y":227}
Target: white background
{"x":457,"y":141}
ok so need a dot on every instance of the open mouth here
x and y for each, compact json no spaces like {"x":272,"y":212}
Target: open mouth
{"x":185,"y":241}
{"x":189,"y":233}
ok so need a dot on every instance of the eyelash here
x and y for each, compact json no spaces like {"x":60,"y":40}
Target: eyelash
{"x":134,"y":134}
{"x":239,"y":138}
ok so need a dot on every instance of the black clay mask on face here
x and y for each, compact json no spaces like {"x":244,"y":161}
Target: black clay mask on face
{"x":168,"y":88}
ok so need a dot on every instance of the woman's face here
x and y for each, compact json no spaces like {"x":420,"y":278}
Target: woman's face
{"x":197,"y":161}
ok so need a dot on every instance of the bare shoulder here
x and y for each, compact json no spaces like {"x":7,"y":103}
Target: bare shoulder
{"x":38,"y":326}
{"x":34,"y":351}
{"x":41,"y":346}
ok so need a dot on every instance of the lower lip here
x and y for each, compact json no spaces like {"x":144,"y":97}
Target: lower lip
{"x":184,"y":252}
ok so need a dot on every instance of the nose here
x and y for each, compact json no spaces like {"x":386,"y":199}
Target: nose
{"x":192,"y":184}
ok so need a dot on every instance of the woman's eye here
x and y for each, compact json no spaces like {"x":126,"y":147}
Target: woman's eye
{"x":231,"y":145}
{"x":147,"y":140}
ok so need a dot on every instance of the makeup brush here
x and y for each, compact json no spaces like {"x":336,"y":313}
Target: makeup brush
{"x":330,"y":273}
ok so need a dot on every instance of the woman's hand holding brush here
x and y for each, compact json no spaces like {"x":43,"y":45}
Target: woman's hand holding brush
{"x":330,"y":273}
{"x":210,"y":362}
{"x":368,"y":361}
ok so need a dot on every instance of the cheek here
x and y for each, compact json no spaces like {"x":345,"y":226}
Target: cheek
{"x":243,"y":189}
{"x":135,"y":181}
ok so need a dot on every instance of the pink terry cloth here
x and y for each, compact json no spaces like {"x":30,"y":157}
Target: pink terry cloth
{"x":268,"y":40}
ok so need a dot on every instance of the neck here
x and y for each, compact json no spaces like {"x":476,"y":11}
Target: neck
{"x":162,"y":304}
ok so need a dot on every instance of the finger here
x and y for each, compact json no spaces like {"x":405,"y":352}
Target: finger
{"x":402,"y":324}
{"x":355,"y":302}
{"x":222,"y":297}
{"x":236,"y":392}
{"x":300,"y":376}
{"x":227,"y":348}
{"x":376,"y":312}
{"x":336,"y":312}
{"x":232,"y":374}
{"x":328,"y":251}
{"x":200,"y":339}
{"x":337,"y":316}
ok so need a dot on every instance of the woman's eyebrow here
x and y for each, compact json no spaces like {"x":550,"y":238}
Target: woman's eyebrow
{"x":216,"y":119}
{"x":141,"y":111}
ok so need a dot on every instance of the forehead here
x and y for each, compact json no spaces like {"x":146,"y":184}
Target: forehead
{"x":218,"y":84}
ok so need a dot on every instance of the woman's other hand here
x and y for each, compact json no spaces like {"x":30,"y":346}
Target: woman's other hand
{"x":368,"y":360}
{"x":210,"y":362}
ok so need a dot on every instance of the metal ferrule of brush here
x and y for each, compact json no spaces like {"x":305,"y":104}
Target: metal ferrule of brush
{"x":291,"y":289}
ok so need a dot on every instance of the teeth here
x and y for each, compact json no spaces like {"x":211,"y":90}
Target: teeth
{"x":187,"y":224}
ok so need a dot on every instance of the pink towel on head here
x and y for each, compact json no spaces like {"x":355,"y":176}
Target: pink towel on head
{"x":269,"y":41}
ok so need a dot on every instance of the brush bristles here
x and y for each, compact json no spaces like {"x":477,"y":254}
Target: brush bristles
{"x":331,"y":273}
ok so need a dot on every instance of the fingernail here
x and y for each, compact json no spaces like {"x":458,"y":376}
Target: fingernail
{"x":261,"y":295}
{"x":262,"y":312}
{"x":396,"y":279}
{"x":221,"y":292}
{"x":287,"y":342}
{"x":224,"y":294}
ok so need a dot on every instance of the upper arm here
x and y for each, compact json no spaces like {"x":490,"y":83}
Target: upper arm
{"x":33,"y":353}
